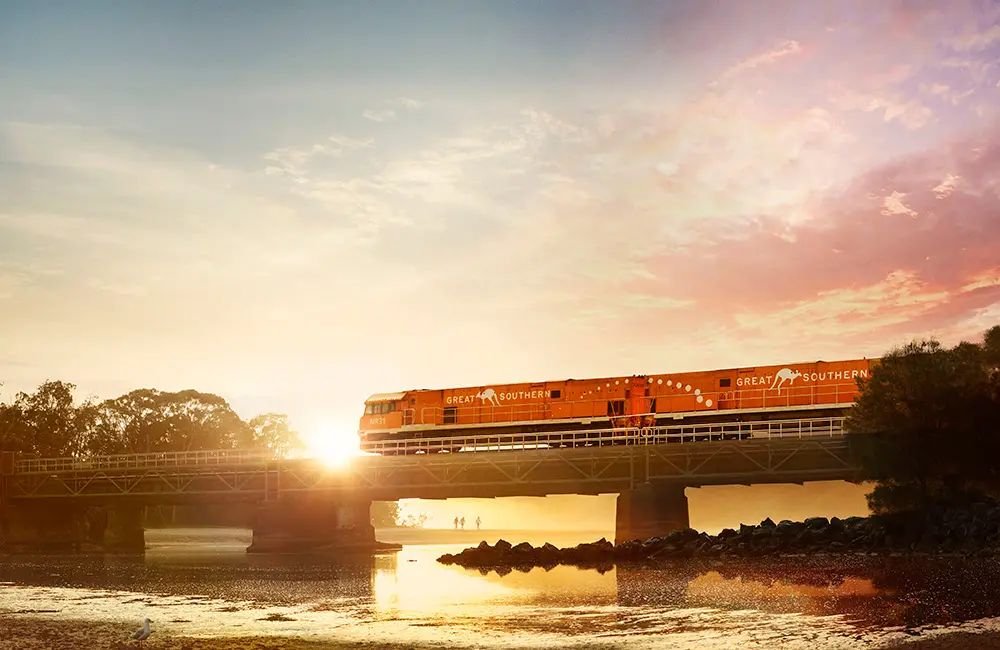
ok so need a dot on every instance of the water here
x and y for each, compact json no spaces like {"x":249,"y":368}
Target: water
{"x":202,"y":583}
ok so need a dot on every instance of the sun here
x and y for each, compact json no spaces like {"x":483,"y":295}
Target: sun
{"x":332,"y":445}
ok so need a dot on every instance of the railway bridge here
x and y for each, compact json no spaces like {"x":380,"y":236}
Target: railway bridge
{"x":303,"y":503}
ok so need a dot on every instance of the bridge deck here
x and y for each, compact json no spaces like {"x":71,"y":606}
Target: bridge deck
{"x":511,"y":465}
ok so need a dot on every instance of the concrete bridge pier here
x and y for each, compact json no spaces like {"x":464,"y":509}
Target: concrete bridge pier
{"x":49,"y":529}
{"x":307,"y":523}
{"x":123,"y":531}
{"x":650,"y":510}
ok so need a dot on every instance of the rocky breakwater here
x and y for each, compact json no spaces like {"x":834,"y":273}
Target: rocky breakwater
{"x":974,"y":530}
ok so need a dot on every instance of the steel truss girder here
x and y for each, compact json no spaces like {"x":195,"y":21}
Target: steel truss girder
{"x":507,"y":473}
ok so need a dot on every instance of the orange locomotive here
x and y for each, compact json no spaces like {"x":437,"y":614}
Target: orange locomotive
{"x":453,"y":415}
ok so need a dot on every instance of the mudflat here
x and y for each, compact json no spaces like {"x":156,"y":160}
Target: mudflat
{"x":21,"y":632}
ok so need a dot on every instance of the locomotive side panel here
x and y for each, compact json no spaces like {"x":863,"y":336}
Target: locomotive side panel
{"x":686,"y":392}
{"x":498,"y":404}
{"x":587,"y":402}
{"x":799,"y":384}
{"x":559,"y":400}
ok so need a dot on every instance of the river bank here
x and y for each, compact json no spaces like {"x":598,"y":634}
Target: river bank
{"x":31,"y":632}
{"x":970,"y":531}
{"x":20,"y":632}
{"x":213,"y":595}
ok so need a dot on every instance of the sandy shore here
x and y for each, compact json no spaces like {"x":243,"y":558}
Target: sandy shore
{"x":30,"y":633}
{"x":20,"y":632}
{"x":953,"y":641}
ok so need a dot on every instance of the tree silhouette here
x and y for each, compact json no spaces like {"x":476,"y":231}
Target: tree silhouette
{"x":926,"y":424}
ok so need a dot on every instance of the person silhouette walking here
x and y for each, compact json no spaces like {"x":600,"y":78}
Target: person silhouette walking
{"x":462,"y":521}
{"x":478,"y":521}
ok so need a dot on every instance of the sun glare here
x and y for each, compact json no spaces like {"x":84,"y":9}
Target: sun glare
{"x":333,"y":445}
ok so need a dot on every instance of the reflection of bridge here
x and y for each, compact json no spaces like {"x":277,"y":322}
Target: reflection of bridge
{"x":306,"y":500}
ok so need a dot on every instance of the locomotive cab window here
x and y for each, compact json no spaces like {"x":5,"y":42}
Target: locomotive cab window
{"x":555,"y":394}
{"x":724,"y":383}
{"x":381,"y":408}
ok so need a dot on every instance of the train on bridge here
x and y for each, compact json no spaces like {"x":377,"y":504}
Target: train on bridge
{"x":568,"y":412}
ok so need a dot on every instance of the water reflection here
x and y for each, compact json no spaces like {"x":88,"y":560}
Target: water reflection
{"x":220,"y":569}
{"x":199,"y":585}
{"x":869,"y":592}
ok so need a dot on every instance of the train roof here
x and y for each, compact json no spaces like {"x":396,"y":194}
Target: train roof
{"x":391,"y":397}
{"x":385,"y":397}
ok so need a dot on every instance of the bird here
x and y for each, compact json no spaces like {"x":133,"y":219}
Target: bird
{"x":142,"y":633}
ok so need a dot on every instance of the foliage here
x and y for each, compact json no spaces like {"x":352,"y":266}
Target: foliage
{"x":45,"y":422}
{"x":926,"y":425}
{"x":385,"y":514}
{"x":49,"y":423}
{"x":271,"y":432}
{"x":414,"y":522}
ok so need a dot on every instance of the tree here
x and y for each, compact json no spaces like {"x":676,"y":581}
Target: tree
{"x":46,"y":422}
{"x":11,"y":430}
{"x":271,"y":432}
{"x":414,"y":522}
{"x":926,"y":424}
{"x":991,"y":347}
{"x":148,"y":420}
{"x":385,"y":514}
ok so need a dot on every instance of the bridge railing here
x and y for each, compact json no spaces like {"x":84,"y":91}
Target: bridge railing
{"x":672,"y":434}
{"x":679,"y":433}
{"x":131,"y":461}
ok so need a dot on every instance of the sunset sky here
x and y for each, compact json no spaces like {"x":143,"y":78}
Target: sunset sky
{"x":297,"y":204}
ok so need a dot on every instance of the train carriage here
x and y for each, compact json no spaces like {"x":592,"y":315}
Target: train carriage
{"x":611,"y":410}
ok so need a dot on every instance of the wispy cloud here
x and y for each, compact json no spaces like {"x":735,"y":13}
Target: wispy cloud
{"x":768,"y":57}
{"x":379,"y":115}
{"x":893,"y":205}
{"x":409,"y":102}
{"x":976,"y":41}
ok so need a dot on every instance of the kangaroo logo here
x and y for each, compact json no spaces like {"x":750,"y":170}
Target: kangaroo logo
{"x":783,"y":375}
{"x":488,"y":395}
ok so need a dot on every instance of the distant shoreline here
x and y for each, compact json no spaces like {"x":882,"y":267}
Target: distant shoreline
{"x":450,"y":536}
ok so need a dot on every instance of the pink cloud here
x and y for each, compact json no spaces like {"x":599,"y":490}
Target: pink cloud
{"x":895,"y":249}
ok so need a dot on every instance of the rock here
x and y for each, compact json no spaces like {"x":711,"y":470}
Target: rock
{"x":816,"y":522}
{"x":690,"y":533}
{"x":629,"y":550}
{"x":971,"y":531}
